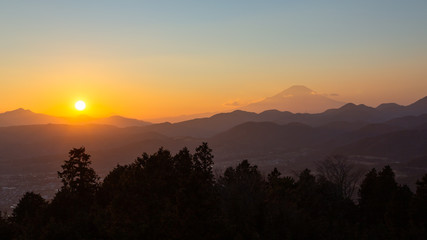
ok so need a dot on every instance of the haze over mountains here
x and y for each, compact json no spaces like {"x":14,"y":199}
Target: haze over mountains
{"x":36,"y":144}
{"x":252,"y":134}
{"x":26,"y":117}
{"x":269,"y":138}
{"x":205,"y":127}
{"x":296,"y":99}
{"x":292,"y":104}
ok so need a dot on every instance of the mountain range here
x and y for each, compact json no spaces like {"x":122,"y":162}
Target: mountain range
{"x":205,"y":127}
{"x":43,"y":147}
{"x":351,"y":130}
{"x":272,"y":134}
{"x":285,"y":107}
{"x":35,"y":145}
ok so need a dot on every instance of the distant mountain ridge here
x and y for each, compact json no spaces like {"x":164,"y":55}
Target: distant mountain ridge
{"x":32,"y":145}
{"x":270,"y":139}
{"x":210,"y":126}
{"x":296,"y":99}
{"x":26,"y":117}
{"x":389,"y":134}
{"x":205,"y":127}
{"x":22,"y":116}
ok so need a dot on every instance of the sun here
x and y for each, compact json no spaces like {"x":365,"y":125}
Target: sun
{"x":80,"y":105}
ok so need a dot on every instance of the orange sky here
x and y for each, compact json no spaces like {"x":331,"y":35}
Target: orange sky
{"x":146,"y":60}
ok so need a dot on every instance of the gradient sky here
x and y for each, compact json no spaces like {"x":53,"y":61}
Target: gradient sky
{"x":148,"y":59}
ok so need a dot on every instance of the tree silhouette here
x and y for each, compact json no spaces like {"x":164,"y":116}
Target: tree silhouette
{"x":242,"y":192}
{"x":397,"y":216}
{"x":339,"y":171}
{"x":161,"y":196}
{"x":77,"y":175}
{"x":379,"y":198}
{"x":280,"y":206}
{"x":29,"y":206}
{"x":28,"y":216}
{"x":203,"y":160}
{"x":6,"y":230}
{"x":419,"y":206}
{"x":165,"y":196}
{"x":70,"y":210}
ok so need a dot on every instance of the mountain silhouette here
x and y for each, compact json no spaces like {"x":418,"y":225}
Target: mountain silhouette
{"x":209,"y":126}
{"x":120,"y":121}
{"x":387,"y":134}
{"x":270,"y":139}
{"x":296,"y":99}
{"x":388,"y":107}
{"x":262,"y":138}
{"x":418,"y":106}
{"x":22,"y":116}
{"x":34,"y":146}
{"x":349,"y":113}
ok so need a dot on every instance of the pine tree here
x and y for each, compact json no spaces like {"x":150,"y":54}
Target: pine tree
{"x":77,"y":176}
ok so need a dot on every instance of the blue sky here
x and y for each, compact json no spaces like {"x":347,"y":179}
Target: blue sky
{"x":366,"y":51}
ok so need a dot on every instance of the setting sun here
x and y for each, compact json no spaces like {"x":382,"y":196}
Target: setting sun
{"x":80,"y":105}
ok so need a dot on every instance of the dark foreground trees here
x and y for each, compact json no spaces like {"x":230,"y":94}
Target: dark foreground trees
{"x":165,"y":196}
{"x":160,"y":196}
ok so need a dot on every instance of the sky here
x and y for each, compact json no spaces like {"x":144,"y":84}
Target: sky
{"x":154,"y":59}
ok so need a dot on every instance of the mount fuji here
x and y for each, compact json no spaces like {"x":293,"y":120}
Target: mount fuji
{"x":296,"y":99}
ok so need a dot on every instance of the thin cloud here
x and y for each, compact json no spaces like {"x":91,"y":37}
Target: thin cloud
{"x":331,"y":94}
{"x":233,"y":103}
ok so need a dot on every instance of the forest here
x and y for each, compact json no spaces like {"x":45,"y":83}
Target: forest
{"x":165,"y":196}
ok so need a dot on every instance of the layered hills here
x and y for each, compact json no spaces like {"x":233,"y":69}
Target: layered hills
{"x":271,"y":136}
{"x":354,"y":130}
{"x":35,"y":145}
